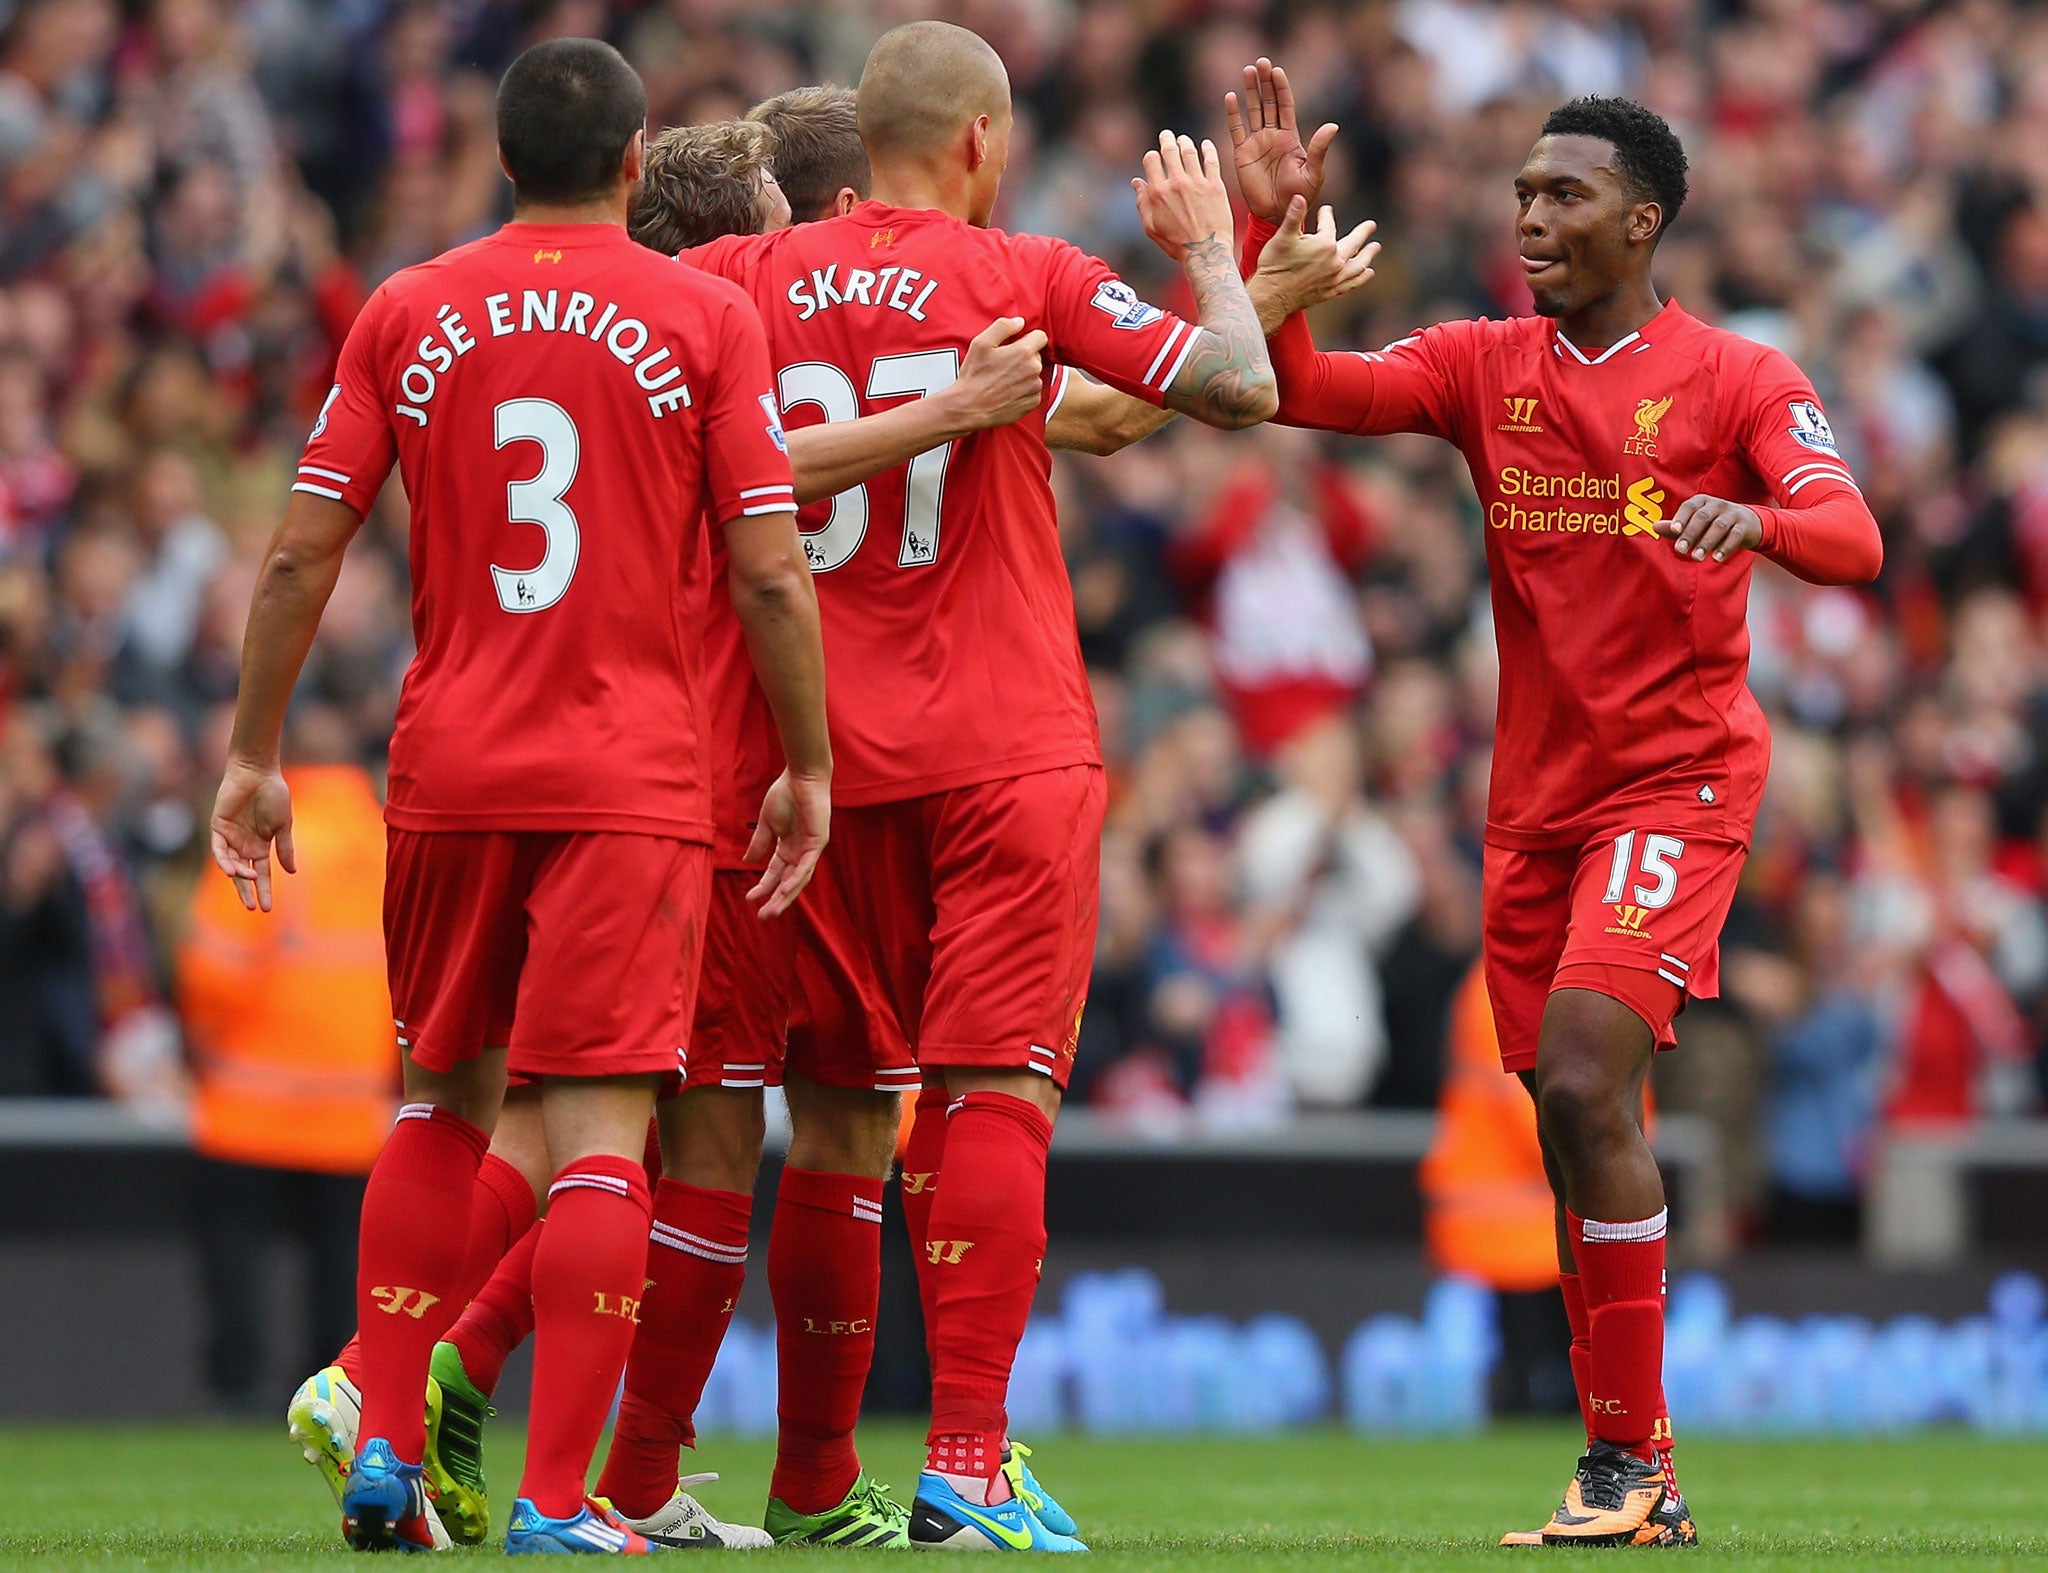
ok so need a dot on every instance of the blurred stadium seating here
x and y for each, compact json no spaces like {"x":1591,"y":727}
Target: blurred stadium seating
{"x":1289,"y":639}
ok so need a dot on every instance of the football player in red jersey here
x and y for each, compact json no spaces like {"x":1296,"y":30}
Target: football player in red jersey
{"x":958,"y":686}
{"x":824,"y":1255}
{"x":1630,"y":460}
{"x":711,"y":179}
{"x":549,"y":807}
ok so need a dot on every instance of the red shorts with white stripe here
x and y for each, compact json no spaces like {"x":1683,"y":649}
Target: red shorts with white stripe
{"x":845,"y":1029}
{"x":575,"y":950}
{"x":1636,"y":916}
{"x":743,"y":997}
{"x":960,"y":925}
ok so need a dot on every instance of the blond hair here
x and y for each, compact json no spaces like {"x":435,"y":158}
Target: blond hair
{"x":700,"y":182}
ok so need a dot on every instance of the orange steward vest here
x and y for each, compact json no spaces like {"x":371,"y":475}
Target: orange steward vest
{"x":287,"y":1013}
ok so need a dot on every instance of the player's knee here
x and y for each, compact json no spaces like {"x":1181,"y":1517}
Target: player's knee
{"x":471,"y":1089}
{"x":1583,"y":1112}
{"x":711,"y":1138}
{"x":521,"y":1139}
{"x":843,"y":1130}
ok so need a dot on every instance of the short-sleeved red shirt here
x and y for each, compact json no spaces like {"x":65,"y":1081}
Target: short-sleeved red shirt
{"x":949,"y":620}
{"x":565,"y":413}
{"x":1623,"y":694}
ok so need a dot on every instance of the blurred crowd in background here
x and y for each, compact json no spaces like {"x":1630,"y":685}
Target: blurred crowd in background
{"x":1289,"y":636}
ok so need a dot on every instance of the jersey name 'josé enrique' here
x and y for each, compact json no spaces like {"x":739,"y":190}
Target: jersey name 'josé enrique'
{"x":568,"y":416}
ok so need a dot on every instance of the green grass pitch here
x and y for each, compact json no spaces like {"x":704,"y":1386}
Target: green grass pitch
{"x":236,"y":1497}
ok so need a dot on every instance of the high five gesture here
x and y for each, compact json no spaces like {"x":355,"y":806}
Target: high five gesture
{"x":1273,"y":165}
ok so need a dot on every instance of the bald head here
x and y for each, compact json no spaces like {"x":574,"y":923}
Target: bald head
{"x":924,"y":84}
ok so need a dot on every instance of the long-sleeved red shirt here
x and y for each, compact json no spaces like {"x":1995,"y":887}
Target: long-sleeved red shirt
{"x":1623,"y":700}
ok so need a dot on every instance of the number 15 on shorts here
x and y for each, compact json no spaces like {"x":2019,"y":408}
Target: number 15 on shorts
{"x":1656,"y":871}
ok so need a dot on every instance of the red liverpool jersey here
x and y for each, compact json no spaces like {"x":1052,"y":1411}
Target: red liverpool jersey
{"x":565,"y":417}
{"x":949,"y":621}
{"x":1623,"y":697}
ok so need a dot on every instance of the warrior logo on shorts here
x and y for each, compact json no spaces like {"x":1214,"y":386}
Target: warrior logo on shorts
{"x":1629,"y":922}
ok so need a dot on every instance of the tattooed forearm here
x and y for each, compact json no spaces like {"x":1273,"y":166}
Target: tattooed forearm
{"x":1226,"y":379}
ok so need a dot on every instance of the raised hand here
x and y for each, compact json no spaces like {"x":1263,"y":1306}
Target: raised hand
{"x":1273,"y":166}
{"x":1003,"y":377}
{"x":252,"y":809}
{"x":795,"y":824}
{"x":1182,"y":200}
{"x":1299,"y":269}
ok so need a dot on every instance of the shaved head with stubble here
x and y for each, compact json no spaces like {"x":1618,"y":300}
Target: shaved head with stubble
{"x":934,"y":98}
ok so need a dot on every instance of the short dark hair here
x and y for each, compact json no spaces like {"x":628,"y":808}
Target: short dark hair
{"x":814,"y":147}
{"x":701,"y":183}
{"x":566,"y":111}
{"x":1651,"y":157}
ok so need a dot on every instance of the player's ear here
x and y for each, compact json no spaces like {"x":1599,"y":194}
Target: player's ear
{"x":977,"y":143}
{"x":1645,"y":222}
{"x":635,"y":160}
{"x":847,"y":200}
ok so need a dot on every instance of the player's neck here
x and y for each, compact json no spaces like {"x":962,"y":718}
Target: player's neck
{"x":907,"y":186}
{"x":1612,"y":318}
{"x":609,"y":209}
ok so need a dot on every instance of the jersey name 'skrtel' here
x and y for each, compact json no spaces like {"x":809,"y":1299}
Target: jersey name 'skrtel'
{"x":566,"y":410}
{"x":1623,"y":698}
{"x":949,"y":620}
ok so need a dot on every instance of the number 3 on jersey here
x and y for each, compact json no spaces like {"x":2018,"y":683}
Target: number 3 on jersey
{"x":538,"y":500}
{"x":890,"y":376}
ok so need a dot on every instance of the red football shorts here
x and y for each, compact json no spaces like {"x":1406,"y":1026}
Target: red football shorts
{"x":845,"y":1028}
{"x":1635,"y":916}
{"x":575,"y":950}
{"x":743,"y":997}
{"x":960,"y":925}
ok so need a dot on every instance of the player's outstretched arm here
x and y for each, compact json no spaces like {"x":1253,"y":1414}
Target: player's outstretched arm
{"x":1002,"y":380}
{"x":1281,"y":176}
{"x":1296,"y":270}
{"x":1226,"y":378}
{"x":777,"y":605}
{"x":254,"y":808}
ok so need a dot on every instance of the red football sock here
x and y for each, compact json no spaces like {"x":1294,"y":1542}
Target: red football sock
{"x":825,"y":1273}
{"x":920,"y":1188}
{"x":503,"y":1212}
{"x":1582,"y":1345}
{"x":1621,"y":1269}
{"x":984,"y":1252}
{"x":500,"y":1316}
{"x":695,"y":1268}
{"x":409,"y":1282}
{"x":588,"y":1276}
